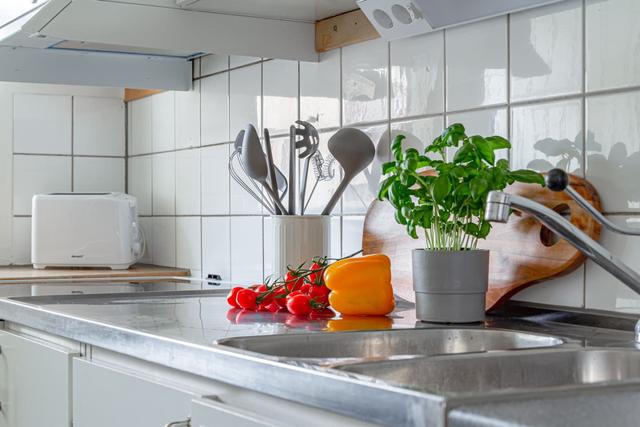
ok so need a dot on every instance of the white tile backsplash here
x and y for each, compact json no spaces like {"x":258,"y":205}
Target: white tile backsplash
{"x":546,"y":51}
{"x":365,"y":85}
{"x":163,"y":121}
{"x":417,"y":75}
{"x":188,"y":182}
{"x":98,"y":126}
{"x":98,"y":174}
{"x":477,"y":64}
{"x":467,"y":74}
{"x":188,"y":235}
{"x":187,"y":117}
{"x":613,"y":149}
{"x":215,"y":109}
{"x":164,"y":183}
{"x":320,"y":91}
{"x":612,"y":42}
{"x":280,"y":95}
{"x":21,"y":245}
{"x":36,"y":175}
{"x":41,"y":124}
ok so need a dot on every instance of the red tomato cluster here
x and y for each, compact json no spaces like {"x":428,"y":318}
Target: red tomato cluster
{"x":302,"y":292}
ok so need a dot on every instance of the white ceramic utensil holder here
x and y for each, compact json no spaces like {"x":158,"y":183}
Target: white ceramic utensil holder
{"x":298,"y":239}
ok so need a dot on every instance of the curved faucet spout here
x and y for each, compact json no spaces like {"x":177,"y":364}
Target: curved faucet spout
{"x":499,"y":205}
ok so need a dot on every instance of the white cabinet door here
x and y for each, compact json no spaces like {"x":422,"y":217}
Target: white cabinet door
{"x":210,"y":412}
{"x":105,"y":396}
{"x":35,"y":381}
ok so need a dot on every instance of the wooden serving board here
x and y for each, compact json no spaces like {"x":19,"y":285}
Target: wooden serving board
{"x":523,"y":252}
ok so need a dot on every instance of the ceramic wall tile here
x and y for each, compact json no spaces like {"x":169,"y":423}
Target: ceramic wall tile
{"x":418,"y":133}
{"x":245,"y":98}
{"x":164,"y":183}
{"x":246,"y":249}
{"x":280,"y":95}
{"x":98,"y":126}
{"x":140,"y":126}
{"x":546,"y":136}
{"x":352,"y":227}
{"x":37,"y":175}
{"x":363,"y":188}
{"x":41,"y":124}
{"x":546,"y":51}
{"x":477,"y":64}
{"x":215,"y":109}
{"x":216,"y":247}
{"x":188,"y":117}
{"x":567,"y":291}
{"x":488,"y":122}
{"x":140,"y":178}
{"x":320,"y":91}
{"x":240,"y":201}
{"x":613,"y":40}
{"x":163,"y":121}
{"x":613,"y":149}
{"x":365,"y":96}
{"x":188,"y":235}
{"x":213,"y":64}
{"x":98,"y":174}
{"x":163,"y":247}
{"x":417,"y":75}
{"x":21,"y":241}
{"x":188,"y":182}
{"x":215,"y":179}
{"x":605,"y":292}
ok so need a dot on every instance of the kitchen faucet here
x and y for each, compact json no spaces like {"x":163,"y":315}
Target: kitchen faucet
{"x":499,"y":205}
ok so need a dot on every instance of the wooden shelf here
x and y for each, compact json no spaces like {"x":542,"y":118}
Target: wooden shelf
{"x":139,"y":270}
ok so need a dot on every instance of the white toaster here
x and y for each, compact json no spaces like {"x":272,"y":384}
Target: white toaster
{"x":85,"y":230}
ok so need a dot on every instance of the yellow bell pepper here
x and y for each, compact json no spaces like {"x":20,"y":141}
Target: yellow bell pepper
{"x":361,"y":286}
{"x":359,"y":323}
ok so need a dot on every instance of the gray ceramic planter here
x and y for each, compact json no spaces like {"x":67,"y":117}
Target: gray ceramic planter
{"x":450,"y":286}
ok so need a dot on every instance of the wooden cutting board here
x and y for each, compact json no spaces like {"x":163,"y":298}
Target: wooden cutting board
{"x":523,"y":252}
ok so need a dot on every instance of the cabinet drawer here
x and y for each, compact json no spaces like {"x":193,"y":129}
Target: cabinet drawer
{"x":211,"y":412}
{"x":105,"y":396}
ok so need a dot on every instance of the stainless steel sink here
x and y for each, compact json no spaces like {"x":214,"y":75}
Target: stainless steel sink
{"x":505,"y":372}
{"x":390,"y":343}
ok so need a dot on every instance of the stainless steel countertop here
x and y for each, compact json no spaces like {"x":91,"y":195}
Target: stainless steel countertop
{"x":178,"y":329}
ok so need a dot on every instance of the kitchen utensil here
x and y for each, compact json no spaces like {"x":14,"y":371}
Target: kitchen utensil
{"x":255,"y":164}
{"x":354,"y":150}
{"x":523,"y":252}
{"x":310,"y":142}
{"x":271,"y":167}
{"x":293,"y":131}
{"x":254,"y":192}
{"x":323,"y":170}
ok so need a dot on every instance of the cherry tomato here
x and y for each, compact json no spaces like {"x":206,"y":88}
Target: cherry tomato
{"x":246,"y":298}
{"x":273,"y":307}
{"x":299,"y":305}
{"x":324,"y":313}
{"x":316,"y":277}
{"x":231,"y":297}
{"x":279,"y":296}
{"x":293,"y":294}
{"x":306,"y":288}
{"x":262,"y":288}
{"x":292,"y":281}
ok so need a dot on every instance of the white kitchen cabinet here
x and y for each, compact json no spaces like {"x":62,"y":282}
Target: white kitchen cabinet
{"x":210,"y":412}
{"x":106,"y":396}
{"x":35,"y":382}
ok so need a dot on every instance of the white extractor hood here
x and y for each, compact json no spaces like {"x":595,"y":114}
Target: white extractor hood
{"x":141,"y":34}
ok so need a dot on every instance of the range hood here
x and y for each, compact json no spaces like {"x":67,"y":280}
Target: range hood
{"x":89,"y":34}
{"x":395,"y":19}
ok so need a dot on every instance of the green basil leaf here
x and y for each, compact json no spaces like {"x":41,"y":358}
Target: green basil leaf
{"x":527,"y":176}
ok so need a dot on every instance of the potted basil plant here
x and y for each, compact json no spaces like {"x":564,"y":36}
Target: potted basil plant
{"x":446,"y":207}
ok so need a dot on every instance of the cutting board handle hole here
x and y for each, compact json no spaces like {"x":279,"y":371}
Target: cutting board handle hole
{"x":547,"y":237}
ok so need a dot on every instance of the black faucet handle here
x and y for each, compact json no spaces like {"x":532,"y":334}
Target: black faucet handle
{"x":557,"y":180}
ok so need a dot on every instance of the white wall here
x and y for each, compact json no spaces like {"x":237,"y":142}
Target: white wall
{"x":42,"y":154}
{"x":562,"y":82}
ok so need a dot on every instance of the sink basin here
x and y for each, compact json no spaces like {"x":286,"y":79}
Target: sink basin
{"x":388,"y":343}
{"x":502,"y":372}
